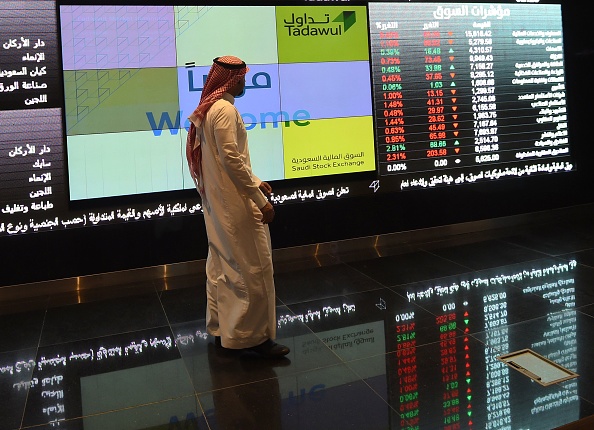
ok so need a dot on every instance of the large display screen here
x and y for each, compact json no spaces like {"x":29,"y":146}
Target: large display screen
{"x":468,"y":92}
{"x":133,"y":74}
{"x":342,"y":99}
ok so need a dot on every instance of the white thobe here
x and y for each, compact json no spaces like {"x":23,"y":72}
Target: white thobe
{"x":240,"y":290}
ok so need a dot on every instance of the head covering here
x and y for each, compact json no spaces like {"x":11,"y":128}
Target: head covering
{"x":224,"y":74}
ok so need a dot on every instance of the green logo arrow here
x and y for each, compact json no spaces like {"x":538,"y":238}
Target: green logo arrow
{"x":348,"y":18}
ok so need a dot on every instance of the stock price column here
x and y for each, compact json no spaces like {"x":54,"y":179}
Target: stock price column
{"x":389,"y":104}
{"x":414,"y":91}
{"x":451,"y":413}
{"x":407,"y":371}
{"x":435,"y":66}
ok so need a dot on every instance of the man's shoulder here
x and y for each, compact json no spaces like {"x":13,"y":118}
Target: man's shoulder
{"x":223,"y":106}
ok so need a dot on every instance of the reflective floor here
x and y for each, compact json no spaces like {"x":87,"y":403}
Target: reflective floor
{"x":393,"y":337}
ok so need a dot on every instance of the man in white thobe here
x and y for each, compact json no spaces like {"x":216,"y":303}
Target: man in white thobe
{"x":241,"y":304}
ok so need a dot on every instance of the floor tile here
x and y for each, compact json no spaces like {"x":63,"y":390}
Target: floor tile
{"x":12,"y":306}
{"x":205,"y":361}
{"x":94,"y":376}
{"x":320,"y":282}
{"x":585,"y":257}
{"x":197,"y":280}
{"x":588,"y":310}
{"x":100,"y":293}
{"x":379,"y":250}
{"x":21,"y":330}
{"x":287,"y":264}
{"x":485,"y":254}
{"x":366,"y":324}
{"x":325,"y":398}
{"x":406,"y":268}
{"x":180,"y":413}
{"x":558,"y":239}
{"x":102,"y":318}
{"x":184,"y":304}
{"x":16,"y":370}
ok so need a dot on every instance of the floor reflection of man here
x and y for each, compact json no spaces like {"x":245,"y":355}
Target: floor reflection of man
{"x":246,"y":393}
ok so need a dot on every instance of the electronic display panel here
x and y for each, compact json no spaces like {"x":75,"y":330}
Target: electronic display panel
{"x":468,"y":92}
{"x":131,"y":87}
{"x":348,"y":99}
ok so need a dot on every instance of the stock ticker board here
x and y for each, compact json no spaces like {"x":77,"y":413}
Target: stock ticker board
{"x":468,"y":92}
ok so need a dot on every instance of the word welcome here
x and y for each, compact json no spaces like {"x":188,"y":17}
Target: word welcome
{"x":300,"y":118}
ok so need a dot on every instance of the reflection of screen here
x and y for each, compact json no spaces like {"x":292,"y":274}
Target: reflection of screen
{"x":453,"y":379}
{"x":133,"y":75}
{"x":341,"y":101}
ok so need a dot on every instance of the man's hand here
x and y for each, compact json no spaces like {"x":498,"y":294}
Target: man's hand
{"x":266,"y":188}
{"x":267,"y":213}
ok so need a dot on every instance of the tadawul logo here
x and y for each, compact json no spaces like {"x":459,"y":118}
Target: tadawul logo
{"x":308,"y":25}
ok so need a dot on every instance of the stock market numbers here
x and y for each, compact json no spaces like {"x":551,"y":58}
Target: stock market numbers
{"x":450,"y":368}
{"x":406,"y":370}
{"x":468,"y":92}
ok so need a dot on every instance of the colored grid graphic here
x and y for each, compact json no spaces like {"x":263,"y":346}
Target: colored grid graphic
{"x":134,"y":74}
